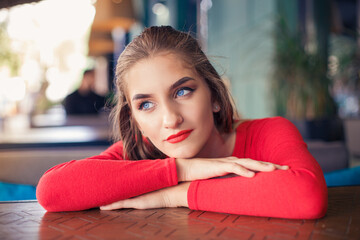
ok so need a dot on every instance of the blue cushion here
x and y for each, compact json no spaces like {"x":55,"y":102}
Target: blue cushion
{"x":13,"y":192}
{"x":345,"y":177}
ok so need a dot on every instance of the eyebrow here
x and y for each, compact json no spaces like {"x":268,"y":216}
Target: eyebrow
{"x":180,"y":82}
{"x":173,"y":86}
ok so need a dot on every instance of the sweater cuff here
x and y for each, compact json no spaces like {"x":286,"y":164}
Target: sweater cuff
{"x":173,"y":178}
{"x":192,"y":195}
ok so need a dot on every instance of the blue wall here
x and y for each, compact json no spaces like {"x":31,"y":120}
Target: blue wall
{"x":240,"y":41}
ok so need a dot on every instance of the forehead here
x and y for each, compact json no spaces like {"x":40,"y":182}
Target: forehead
{"x":164,"y":60}
{"x":160,"y":70}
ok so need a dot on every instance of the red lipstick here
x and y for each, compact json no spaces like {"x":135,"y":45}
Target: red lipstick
{"x":178,"y":137}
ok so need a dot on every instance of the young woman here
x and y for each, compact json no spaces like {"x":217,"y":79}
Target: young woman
{"x":181,"y":145}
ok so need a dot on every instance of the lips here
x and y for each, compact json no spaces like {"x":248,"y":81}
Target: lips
{"x":179,"y":137}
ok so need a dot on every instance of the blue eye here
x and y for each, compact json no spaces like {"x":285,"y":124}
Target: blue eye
{"x":184,"y":91}
{"x":146,"y":105}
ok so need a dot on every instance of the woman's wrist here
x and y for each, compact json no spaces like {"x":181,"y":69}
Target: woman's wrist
{"x":181,"y":169}
{"x":176,"y":196}
{"x":181,"y":194}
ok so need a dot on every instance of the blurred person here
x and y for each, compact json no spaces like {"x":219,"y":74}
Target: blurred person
{"x":179,"y":143}
{"x":84,"y":101}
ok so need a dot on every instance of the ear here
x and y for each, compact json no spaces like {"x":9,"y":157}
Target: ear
{"x":216,"y":108}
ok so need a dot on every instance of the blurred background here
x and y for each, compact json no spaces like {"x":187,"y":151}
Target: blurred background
{"x":295,"y":58}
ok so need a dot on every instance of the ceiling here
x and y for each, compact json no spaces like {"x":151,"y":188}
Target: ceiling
{"x":11,"y":3}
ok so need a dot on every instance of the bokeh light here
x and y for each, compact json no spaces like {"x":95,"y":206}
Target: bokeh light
{"x":50,"y":40}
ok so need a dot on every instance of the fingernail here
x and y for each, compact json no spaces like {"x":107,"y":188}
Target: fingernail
{"x":250,"y":174}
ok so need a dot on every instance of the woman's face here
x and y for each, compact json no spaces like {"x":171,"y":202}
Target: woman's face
{"x":171,"y":104}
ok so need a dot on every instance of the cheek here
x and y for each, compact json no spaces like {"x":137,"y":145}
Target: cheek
{"x":202,"y":108}
{"x":149,"y":123}
{"x":198,"y":113}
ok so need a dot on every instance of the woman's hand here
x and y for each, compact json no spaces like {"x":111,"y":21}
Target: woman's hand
{"x":204,"y":168}
{"x":189,"y":170}
{"x":175,"y":196}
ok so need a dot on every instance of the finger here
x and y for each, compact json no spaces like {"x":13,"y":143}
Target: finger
{"x":283,"y":167}
{"x":250,"y":166}
{"x":277,"y":166}
{"x":249,"y":160}
{"x":256,"y":165}
{"x":147,"y":201}
{"x":112,"y":206}
{"x":260,"y":165}
{"x":108,"y":207}
{"x":126,"y":203}
{"x":239,"y":170}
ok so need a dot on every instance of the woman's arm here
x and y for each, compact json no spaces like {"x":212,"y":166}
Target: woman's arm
{"x":107,"y":178}
{"x":299,"y":192}
{"x":99,"y":180}
{"x":192,"y":169}
{"x":175,"y":196}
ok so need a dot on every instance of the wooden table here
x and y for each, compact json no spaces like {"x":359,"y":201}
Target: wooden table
{"x":27,"y":220}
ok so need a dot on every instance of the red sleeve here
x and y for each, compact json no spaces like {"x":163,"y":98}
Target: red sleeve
{"x":299,"y":192}
{"x":103,"y":179}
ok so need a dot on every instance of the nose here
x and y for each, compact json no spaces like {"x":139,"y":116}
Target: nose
{"x":172,"y":117}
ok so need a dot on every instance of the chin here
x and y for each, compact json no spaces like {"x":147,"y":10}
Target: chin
{"x":182,"y":154}
{"x":181,"y":151}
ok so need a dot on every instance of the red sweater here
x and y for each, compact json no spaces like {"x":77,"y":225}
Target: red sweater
{"x":299,"y":192}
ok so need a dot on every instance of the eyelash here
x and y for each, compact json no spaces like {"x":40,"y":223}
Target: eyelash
{"x":184,"y":89}
{"x":141,"y":105}
{"x":191,"y":90}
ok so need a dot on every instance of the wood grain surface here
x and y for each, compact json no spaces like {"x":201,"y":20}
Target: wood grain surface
{"x":28,"y":220}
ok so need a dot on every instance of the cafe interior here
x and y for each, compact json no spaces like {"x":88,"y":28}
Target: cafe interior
{"x":299,"y":59}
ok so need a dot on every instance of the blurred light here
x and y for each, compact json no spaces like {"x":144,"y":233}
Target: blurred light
{"x":31,"y":72}
{"x":160,"y":9}
{"x":352,"y":106}
{"x":205,"y":5}
{"x":56,"y":91}
{"x":15,"y":89}
{"x":52,"y":75}
{"x":58,"y":85}
{"x":50,"y":39}
{"x":161,"y":12}
{"x":5,"y":73}
{"x":333,"y":65}
{"x":3,"y":15}
{"x":74,"y":60}
{"x":55,"y":116}
{"x":17,"y":123}
{"x":21,"y":25}
{"x":4,"y":76}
